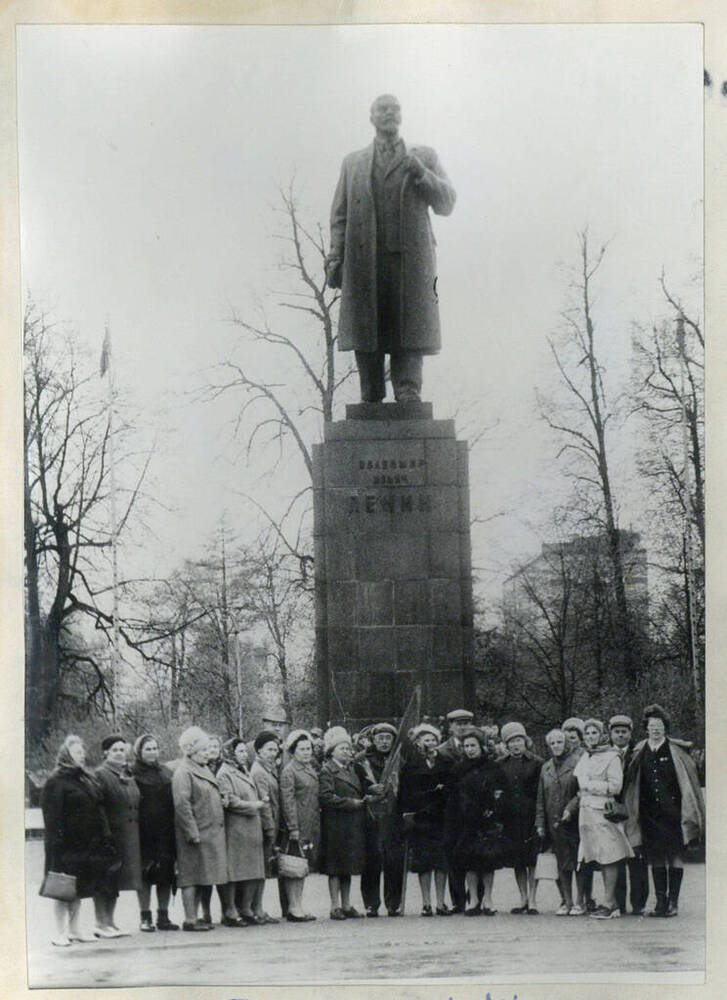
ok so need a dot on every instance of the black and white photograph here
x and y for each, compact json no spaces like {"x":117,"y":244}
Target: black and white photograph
{"x":363,"y":498}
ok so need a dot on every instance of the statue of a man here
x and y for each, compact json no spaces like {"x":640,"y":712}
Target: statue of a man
{"x":382,"y":255}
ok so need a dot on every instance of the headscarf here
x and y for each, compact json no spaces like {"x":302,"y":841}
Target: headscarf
{"x":145,"y":773}
{"x":67,"y":766}
{"x":227,"y":752}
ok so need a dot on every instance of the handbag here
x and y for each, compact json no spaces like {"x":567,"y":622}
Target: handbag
{"x":614,"y":811}
{"x":292,"y":865}
{"x":57,"y":885}
{"x":546,"y":866}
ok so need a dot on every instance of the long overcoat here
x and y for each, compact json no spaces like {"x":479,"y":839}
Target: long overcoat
{"x":476,"y":815}
{"x":558,"y":791}
{"x":268,"y":788}
{"x":353,"y":240}
{"x":243,"y":824}
{"x":692,"y":818}
{"x":522,"y":774}
{"x":300,"y":805}
{"x":77,"y":835}
{"x":156,"y":822}
{"x":120,"y":797}
{"x":198,"y":815}
{"x":423,"y":791}
{"x":343,"y":823}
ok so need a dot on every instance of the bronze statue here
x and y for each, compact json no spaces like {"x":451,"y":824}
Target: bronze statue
{"x":382,"y":255}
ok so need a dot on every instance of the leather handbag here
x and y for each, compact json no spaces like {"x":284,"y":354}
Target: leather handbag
{"x":57,"y":885}
{"x":614,"y":811}
{"x":292,"y":865}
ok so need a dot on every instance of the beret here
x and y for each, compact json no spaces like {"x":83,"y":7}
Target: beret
{"x":512,"y":729}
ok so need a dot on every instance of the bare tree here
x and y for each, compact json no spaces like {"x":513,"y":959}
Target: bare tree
{"x":582,"y":420}
{"x":668,"y":396}
{"x":66,"y":494}
{"x":275,"y":410}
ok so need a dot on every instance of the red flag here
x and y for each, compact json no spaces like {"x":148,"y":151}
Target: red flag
{"x":105,"y":352}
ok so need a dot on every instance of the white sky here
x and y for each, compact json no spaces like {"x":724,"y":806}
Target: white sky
{"x":149,"y":162}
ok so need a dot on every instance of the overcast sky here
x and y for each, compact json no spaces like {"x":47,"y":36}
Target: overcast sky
{"x":149,"y":163}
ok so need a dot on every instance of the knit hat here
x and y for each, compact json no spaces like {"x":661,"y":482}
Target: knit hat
{"x":620,"y":720}
{"x":333,"y":736}
{"x":574,"y":723}
{"x":424,"y":727}
{"x":512,"y":729}
{"x":263,"y":737}
{"x":594,"y":722}
{"x":294,"y":737}
{"x":108,"y":741}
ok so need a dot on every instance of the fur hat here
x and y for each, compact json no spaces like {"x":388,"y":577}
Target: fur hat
{"x":424,"y":727}
{"x":263,"y":737}
{"x":108,"y":741}
{"x":192,"y":739}
{"x":574,"y":723}
{"x":333,"y":736}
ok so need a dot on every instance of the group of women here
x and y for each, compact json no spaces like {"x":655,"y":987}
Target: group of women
{"x":233,"y":814}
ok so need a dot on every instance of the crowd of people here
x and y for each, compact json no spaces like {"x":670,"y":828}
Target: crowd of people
{"x":377,"y":804}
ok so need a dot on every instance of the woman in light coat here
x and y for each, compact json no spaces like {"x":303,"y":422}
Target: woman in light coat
{"x":200,"y":828}
{"x":556,"y":818}
{"x":301,"y":813}
{"x":243,"y":830}
{"x":264,"y":772}
{"x":120,"y":799}
{"x":600,"y":777}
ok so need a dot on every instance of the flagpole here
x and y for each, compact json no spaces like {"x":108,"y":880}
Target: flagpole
{"x":107,"y":360}
{"x":688,"y":518}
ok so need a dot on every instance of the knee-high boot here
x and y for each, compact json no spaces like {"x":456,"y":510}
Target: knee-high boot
{"x":658,"y":873}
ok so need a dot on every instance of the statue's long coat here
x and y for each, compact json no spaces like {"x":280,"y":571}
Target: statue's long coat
{"x":353,"y":240}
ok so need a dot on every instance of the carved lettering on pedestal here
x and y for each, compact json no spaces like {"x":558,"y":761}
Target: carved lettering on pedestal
{"x":398,"y":502}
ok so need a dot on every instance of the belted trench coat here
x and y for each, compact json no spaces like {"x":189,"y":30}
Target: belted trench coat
{"x":353,"y":241}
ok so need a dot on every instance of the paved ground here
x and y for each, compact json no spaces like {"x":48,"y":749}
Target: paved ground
{"x":504,"y":947}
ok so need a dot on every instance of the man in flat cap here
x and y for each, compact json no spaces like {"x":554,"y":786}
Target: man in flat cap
{"x":384,"y":835}
{"x":458,"y":722}
{"x":620,"y":730}
{"x":382,"y":255}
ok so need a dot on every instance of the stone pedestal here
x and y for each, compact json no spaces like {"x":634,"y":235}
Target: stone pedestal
{"x":392,"y":564}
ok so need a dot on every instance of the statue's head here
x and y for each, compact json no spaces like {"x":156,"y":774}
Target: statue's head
{"x":386,"y":114}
